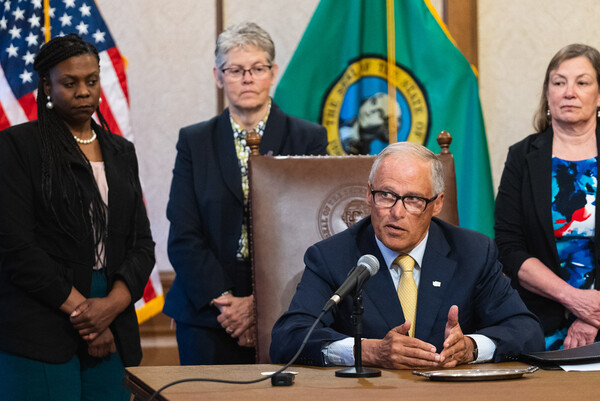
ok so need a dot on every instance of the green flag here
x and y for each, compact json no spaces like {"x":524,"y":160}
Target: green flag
{"x":338,"y":77}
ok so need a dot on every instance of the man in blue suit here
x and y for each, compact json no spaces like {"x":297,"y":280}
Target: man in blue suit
{"x":457,"y":280}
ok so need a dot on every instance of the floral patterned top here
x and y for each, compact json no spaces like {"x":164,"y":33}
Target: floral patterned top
{"x":243,"y":152}
{"x":574,"y":185}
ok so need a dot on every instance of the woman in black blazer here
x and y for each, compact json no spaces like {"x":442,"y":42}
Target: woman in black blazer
{"x":547,"y":210}
{"x":211,"y":298}
{"x":75,"y":244}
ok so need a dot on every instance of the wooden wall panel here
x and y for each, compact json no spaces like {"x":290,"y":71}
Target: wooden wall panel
{"x":461,"y":18}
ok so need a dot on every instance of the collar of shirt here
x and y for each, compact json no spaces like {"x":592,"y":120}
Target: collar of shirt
{"x":395,"y":271}
{"x":260,"y":127}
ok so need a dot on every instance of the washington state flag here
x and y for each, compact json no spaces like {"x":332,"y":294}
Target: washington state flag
{"x":371,"y":70}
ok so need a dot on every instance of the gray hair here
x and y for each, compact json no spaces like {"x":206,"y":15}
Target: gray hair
{"x":541,"y":121}
{"x":408,"y":149}
{"x":243,"y":35}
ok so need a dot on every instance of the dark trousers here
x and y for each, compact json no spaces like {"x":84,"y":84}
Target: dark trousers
{"x":210,"y":346}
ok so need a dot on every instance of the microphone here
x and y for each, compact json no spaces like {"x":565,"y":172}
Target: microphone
{"x":366,"y":267}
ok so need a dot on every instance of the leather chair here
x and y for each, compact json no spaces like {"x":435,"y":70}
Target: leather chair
{"x":296,"y":201}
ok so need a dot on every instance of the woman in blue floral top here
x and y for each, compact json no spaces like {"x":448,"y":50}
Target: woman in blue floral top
{"x":546,"y":205}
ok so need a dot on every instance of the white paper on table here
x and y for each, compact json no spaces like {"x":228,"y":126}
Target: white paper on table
{"x":285,"y":371}
{"x":584,"y":367}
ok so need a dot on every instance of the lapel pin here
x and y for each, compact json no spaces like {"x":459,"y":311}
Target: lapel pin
{"x":437,"y":284}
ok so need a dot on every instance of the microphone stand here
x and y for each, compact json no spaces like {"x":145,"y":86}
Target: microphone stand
{"x":358,"y":370}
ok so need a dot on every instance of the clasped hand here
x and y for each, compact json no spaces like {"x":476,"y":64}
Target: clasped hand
{"x":102,"y":345}
{"x":237,"y":318}
{"x":398,"y":351}
{"x":580,"y":333}
{"x":585,"y":304}
{"x":92,"y":317}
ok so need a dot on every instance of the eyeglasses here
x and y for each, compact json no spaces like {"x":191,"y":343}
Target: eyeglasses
{"x":235,"y":73}
{"x":412,"y":204}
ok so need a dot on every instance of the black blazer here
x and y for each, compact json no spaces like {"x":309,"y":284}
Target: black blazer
{"x":206,"y":208}
{"x":523,"y":220}
{"x":459,"y":268}
{"x":39,"y":263}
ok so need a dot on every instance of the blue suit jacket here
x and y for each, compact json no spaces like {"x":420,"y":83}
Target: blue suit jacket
{"x":462,"y":261}
{"x":206,"y":209}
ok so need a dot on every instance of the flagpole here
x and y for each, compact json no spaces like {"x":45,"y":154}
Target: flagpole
{"x":391,"y":69}
{"x":47,"y":20}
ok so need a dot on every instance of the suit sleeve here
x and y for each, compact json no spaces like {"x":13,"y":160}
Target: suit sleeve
{"x":503,"y":316}
{"x":198,"y":270}
{"x":23,"y":261}
{"x":139,"y":259}
{"x":509,"y":221}
{"x":312,"y":293}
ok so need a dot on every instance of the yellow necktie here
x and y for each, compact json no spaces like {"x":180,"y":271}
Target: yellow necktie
{"x":407,"y":290}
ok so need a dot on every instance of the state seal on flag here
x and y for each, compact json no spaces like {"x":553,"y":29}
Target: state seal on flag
{"x":355,"y":109}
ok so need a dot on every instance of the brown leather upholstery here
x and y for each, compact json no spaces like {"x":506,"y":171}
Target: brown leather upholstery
{"x":296,"y":201}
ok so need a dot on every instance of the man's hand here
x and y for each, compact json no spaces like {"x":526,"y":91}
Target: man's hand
{"x":398,"y":351}
{"x":237,"y":313}
{"x":102,"y":345}
{"x":458,"y":349}
{"x":580,"y":333}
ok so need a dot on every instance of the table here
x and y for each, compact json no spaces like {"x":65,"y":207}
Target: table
{"x":314,"y":383}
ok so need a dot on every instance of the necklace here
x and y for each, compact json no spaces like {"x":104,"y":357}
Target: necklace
{"x":86,"y":141}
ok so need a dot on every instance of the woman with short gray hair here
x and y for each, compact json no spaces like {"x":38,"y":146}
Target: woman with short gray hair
{"x":211,"y":298}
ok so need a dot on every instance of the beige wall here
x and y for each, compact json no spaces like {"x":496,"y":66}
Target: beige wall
{"x":170,"y":44}
{"x":517,"y":39}
{"x":170,"y":49}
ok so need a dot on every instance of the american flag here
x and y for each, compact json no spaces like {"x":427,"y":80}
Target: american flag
{"x":26,"y":25}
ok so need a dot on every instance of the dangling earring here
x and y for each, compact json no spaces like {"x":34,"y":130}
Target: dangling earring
{"x":49,"y":105}
{"x":598,"y":113}
{"x":548,"y":113}
{"x":100,"y":101}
